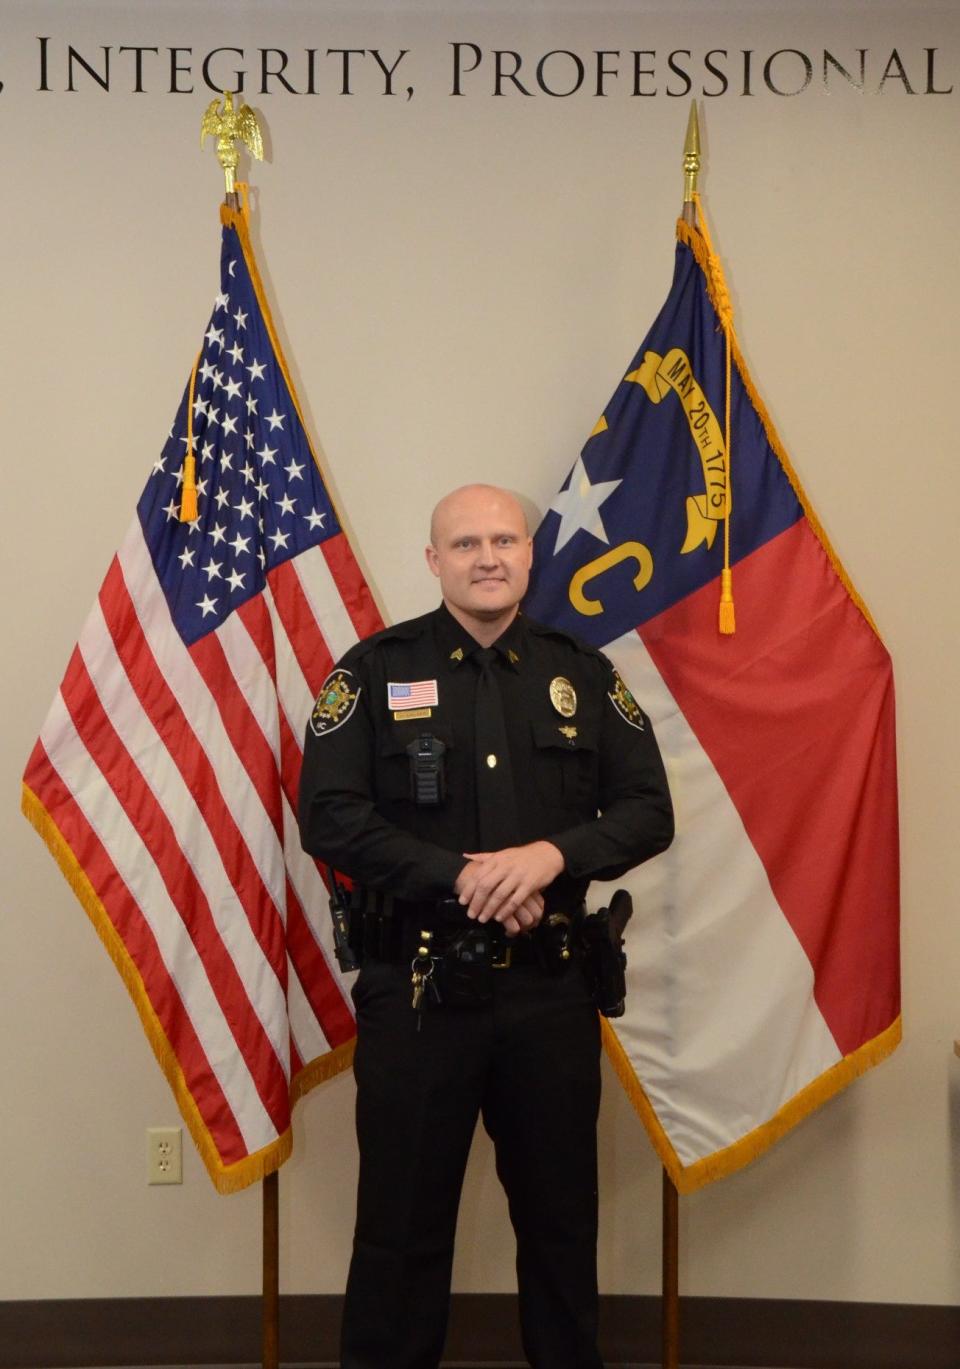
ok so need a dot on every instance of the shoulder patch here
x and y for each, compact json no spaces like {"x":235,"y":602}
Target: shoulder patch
{"x":625,"y":704}
{"x":335,"y":702}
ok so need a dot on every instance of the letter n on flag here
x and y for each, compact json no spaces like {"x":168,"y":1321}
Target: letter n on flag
{"x":764,"y":951}
{"x":165,"y":777}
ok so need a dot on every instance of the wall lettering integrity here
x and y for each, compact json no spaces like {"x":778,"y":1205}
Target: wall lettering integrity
{"x":65,"y":67}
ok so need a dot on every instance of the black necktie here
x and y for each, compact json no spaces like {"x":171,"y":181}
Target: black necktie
{"x":496,"y":800}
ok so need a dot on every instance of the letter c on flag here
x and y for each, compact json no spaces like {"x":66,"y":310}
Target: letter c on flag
{"x":626,"y":551}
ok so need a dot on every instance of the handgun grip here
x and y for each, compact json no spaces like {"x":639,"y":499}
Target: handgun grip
{"x":621,"y":911}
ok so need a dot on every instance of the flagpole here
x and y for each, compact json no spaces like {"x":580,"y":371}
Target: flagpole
{"x":670,"y":1273}
{"x":670,"y":1300}
{"x":270,"y":1314}
{"x":228,"y":126}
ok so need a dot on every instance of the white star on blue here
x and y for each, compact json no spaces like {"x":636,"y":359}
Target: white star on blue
{"x":244,"y":490}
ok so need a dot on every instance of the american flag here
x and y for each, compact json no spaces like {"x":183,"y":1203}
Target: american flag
{"x":416,"y":694}
{"x":165,"y":776}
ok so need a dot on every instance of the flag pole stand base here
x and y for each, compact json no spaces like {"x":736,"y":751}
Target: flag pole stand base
{"x":271,"y":1271}
{"x":670,"y":1300}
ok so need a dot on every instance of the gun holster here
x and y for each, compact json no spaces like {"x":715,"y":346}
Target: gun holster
{"x":604,"y":959}
{"x":344,"y":924}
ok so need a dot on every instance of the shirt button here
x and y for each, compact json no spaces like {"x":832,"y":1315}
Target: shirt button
{"x":491,"y":761}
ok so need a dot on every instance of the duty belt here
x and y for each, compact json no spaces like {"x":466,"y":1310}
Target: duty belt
{"x":393,"y":927}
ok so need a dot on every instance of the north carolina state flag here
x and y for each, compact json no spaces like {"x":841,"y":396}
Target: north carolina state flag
{"x":763,"y":955}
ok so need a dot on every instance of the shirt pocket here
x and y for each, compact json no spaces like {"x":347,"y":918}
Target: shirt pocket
{"x":394,"y":776}
{"x":565,"y":766}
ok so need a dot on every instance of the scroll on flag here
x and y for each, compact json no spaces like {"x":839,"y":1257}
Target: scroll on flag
{"x":165,"y":777}
{"x":763,"y":969}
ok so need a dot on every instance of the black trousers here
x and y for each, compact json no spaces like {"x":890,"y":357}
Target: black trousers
{"x":530,"y":1065}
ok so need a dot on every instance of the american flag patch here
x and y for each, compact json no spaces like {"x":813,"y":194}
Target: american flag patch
{"x":416,"y":694}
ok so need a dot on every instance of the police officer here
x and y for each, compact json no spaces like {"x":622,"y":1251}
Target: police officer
{"x":471,"y":771}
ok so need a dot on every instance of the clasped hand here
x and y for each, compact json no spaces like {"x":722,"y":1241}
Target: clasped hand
{"x":506,"y":886}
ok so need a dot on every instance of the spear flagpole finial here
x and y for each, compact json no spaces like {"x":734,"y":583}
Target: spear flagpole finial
{"x":230,"y":126}
{"x":691,"y":164}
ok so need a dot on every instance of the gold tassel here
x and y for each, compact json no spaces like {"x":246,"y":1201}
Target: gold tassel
{"x":720,"y":297}
{"x":188,"y":499}
{"x":728,"y":619}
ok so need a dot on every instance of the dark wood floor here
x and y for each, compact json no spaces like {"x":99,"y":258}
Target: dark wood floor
{"x":207,"y":1332}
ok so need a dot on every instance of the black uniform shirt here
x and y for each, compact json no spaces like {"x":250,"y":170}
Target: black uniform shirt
{"x":584,"y":766}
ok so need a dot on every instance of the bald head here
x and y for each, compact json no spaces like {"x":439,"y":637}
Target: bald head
{"x":468,"y":499}
{"x":481,"y":551}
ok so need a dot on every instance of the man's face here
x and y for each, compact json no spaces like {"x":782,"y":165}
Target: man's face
{"x":481,"y":552}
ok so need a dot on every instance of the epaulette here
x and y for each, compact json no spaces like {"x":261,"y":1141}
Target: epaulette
{"x":406,"y":631}
{"x":571,"y":639}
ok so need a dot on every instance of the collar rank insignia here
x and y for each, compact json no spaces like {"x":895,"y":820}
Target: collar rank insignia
{"x":335,"y":702}
{"x":457,"y":655}
{"x":625,"y":704}
{"x":513,"y":658}
{"x":563,"y":696}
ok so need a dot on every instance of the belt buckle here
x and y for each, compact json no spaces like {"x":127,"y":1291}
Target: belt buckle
{"x":506,"y":955}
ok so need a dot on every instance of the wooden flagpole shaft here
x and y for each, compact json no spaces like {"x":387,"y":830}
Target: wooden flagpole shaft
{"x":271,"y":1271}
{"x":670,"y":1301}
{"x":670,"y":1297}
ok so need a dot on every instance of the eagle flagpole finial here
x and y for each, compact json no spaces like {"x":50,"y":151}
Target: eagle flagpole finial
{"x":228,"y":126}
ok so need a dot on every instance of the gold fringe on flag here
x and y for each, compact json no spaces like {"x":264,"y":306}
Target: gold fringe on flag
{"x":694,"y":239}
{"x":225,"y":1178}
{"x":720,"y":296}
{"x":688,"y":1178}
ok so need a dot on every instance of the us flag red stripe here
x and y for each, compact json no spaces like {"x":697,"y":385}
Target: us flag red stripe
{"x":164,"y":779}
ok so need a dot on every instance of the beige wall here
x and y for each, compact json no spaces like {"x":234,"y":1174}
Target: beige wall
{"x":460,"y":282}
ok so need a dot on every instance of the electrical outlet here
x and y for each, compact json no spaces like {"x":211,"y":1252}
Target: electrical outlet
{"x":164,"y":1155}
